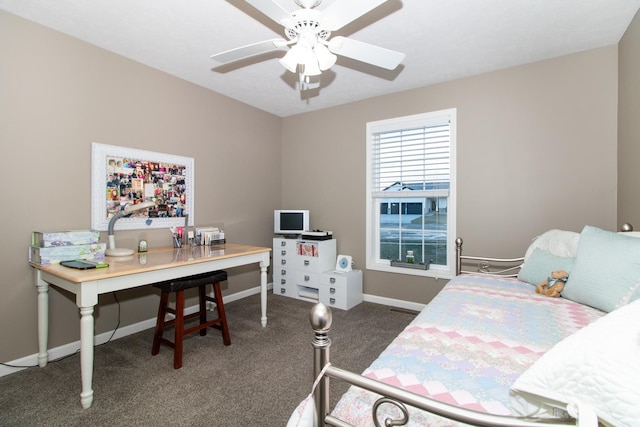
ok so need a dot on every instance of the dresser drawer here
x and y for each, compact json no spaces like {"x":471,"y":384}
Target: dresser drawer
{"x":341,"y":290}
{"x":286,"y":244}
{"x":279,"y":289}
{"x":282,"y":254}
{"x":289,"y":276}
{"x":334,"y":296}
{"x":283,"y":249}
{"x":336,"y":280}
{"x":303,"y":263}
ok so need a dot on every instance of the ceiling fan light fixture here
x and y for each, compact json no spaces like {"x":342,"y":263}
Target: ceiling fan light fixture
{"x":325,"y":58}
{"x":290,"y":60}
{"x":311,"y":67}
{"x":298,"y":54}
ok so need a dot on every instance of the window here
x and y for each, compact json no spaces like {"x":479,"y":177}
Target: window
{"x":411,"y":193}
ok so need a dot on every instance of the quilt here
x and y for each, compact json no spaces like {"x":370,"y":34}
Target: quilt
{"x":467,"y":347}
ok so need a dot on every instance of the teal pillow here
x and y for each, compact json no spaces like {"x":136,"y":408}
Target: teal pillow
{"x":606,"y":274}
{"x":540,"y":264}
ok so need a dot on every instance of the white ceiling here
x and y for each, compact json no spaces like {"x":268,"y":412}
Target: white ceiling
{"x":442,"y":40}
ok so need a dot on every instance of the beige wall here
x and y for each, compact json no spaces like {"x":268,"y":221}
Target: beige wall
{"x":536,"y":150}
{"x":57,"y":95}
{"x":629,"y":126}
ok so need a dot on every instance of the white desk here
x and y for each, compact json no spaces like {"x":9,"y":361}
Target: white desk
{"x":129,"y":272}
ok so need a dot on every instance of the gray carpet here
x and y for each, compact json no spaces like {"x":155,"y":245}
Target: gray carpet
{"x":256,"y":381}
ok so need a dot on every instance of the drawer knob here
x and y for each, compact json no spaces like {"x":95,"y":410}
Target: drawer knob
{"x":332,"y":280}
{"x":283,"y":261}
{"x":306,"y":262}
{"x":283,"y":290}
{"x":283,"y":272}
{"x":306,"y":278}
{"x":283,"y":243}
{"x":283,"y":252}
{"x":283,"y":281}
{"x":332,"y":300}
{"x":332,"y":290}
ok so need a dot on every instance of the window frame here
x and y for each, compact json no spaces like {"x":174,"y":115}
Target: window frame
{"x":373,"y":262}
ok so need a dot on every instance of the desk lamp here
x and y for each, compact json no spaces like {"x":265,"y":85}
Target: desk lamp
{"x":128,"y":210}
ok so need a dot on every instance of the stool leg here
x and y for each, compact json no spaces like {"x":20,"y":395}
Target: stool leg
{"x":162,"y":311}
{"x":202,"y":296}
{"x":221,"y":314}
{"x":179,"y":331}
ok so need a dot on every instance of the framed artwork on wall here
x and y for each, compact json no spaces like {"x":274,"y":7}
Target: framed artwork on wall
{"x":122,"y":176}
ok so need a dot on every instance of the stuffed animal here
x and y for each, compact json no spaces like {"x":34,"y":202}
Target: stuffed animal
{"x":554,"y":284}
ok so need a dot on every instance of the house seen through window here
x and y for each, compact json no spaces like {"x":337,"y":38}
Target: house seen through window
{"x":411,"y":193}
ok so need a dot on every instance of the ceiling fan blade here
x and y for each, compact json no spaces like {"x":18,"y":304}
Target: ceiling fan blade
{"x":272,"y":9}
{"x":365,"y":52}
{"x":249,"y":50}
{"x":342,"y":12}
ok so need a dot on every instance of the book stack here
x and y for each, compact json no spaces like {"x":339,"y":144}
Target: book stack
{"x":53,"y":247}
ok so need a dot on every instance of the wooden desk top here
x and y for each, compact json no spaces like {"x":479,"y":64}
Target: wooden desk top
{"x":154,"y":259}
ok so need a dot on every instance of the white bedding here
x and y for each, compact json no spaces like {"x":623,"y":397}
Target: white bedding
{"x":597,"y":366}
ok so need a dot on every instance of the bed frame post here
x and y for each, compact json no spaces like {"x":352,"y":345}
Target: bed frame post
{"x":458,"y":255}
{"x":320,"y":319}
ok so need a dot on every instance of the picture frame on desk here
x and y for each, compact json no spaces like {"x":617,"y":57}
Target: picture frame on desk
{"x":122,"y":176}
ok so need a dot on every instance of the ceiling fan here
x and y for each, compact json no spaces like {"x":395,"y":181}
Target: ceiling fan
{"x":308,"y":33}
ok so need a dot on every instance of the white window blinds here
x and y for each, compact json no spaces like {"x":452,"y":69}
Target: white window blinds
{"x":414,"y":159}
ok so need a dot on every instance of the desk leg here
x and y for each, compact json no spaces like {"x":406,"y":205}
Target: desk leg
{"x":86,"y":355}
{"x":263,"y":292}
{"x":43,"y":320}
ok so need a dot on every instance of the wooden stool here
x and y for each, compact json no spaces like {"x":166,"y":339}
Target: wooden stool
{"x":178,"y":286}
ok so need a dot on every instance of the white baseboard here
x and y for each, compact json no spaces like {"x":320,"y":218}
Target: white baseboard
{"x":408,"y":305}
{"x":68,"y":349}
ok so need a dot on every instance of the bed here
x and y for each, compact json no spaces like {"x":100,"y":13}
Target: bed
{"x":490,"y":351}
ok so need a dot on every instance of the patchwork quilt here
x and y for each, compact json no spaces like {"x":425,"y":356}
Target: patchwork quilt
{"x":467,"y":347}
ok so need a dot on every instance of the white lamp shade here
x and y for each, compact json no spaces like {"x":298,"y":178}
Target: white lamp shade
{"x":311,"y":67}
{"x":290,"y":60}
{"x":314,"y":60}
{"x":310,"y":63}
{"x":325,"y":58}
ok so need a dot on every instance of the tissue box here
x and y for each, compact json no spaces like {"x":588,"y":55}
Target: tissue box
{"x":64,"y":238}
{"x":55,"y":254}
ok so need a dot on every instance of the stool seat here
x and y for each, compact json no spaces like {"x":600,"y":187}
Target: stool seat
{"x":194,"y":281}
{"x":178,"y":286}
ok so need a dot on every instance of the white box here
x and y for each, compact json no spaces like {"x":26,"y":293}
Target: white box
{"x":341,"y":290}
{"x":64,"y":238}
{"x":55,"y":254}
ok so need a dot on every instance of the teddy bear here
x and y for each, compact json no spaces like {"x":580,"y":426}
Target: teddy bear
{"x":552,"y":286}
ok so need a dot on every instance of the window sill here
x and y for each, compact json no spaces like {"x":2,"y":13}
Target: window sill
{"x":437,"y":272}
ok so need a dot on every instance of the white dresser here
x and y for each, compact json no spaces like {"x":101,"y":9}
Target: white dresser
{"x":298,"y":264}
{"x":341,"y":290}
{"x":305,"y":269}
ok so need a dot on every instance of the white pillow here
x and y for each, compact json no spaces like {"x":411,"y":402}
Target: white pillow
{"x":597,"y":367}
{"x":305,"y":413}
{"x":557,"y":242}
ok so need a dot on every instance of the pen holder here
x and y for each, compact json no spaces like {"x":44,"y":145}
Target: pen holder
{"x":177,"y":242}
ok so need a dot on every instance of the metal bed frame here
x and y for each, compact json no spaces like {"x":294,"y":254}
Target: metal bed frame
{"x":321,"y":318}
{"x":505,"y":267}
